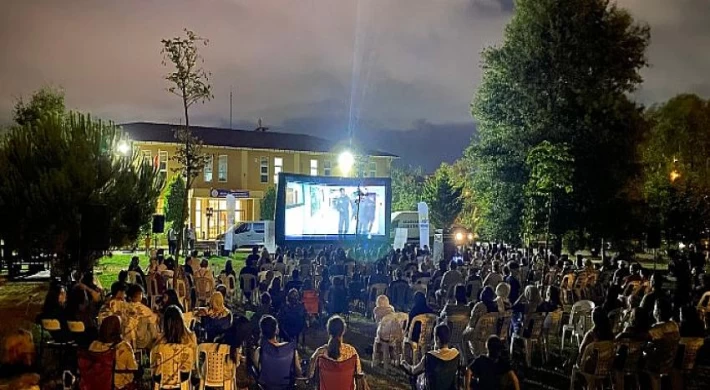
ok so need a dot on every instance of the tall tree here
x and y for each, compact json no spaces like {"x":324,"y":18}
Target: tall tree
{"x":190,"y":82}
{"x":443,"y":198}
{"x":676,"y":156}
{"x":407,"y":187}
{"x":52,"y":169}
{"x":562,"y":74}
{"x":268,"y":204}
{"x":470,"y":216}
{"x":45,"y":101}
{"x":174,"y":196}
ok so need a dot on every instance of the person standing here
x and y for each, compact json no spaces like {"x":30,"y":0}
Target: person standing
{"x":342,"y":205}
{"x":172,"y":241}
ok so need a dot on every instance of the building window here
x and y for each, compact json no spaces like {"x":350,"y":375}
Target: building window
{"x":326,"y":168}
{"x":278,"y":166}
{"x":373,"y":169}
{"x":314,"y":167}
{"x":209,"y":164}
{"x":264,"y":170}
{"x":147,"y":157}
{"x":163,"y":164}
{"x":222,"y":168}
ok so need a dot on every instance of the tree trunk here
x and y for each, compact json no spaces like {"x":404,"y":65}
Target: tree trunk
{"x":184,"y":210}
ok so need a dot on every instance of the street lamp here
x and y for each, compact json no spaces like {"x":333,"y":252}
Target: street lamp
{"x":209,"y":213}
{"x":123,"y":148}
{"x":346,"y":160}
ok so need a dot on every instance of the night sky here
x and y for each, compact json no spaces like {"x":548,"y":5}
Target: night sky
{"x":400,"y":72}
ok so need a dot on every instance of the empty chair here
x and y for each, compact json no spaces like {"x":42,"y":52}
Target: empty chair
{"x":595,"y":364}
{"x":660,"y":359}
{"x":566,"y":289}
{"x":422,"y":344}
{"x":217,"y":368}
{"x":580,"y":321}
{"x":52,"y":326}
{"x":551,"y":326}
{"x":183,"y":294}
{"x":203,"y":289}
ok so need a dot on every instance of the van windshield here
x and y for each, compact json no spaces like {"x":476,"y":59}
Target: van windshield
{"x":243,"y":227}
{"x":259,"y":227}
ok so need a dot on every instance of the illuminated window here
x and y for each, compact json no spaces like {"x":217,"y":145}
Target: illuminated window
{"x":264,"y":170}
{"x":326,"y":168}
{"x":278,"y":166}
{"x":222,"y":168}
{"x":314,"y":167}
{"x":373,"y":169}
{"x":209,"y":162}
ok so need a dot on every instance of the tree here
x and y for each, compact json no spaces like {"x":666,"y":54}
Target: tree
{"x":268,"y":204}
{"x":191,"y":84}
{"x":174,"y":196}
{"x":562,"y":74}
{"x":676,"y":156}
{"x":43,"y":102}
{"x":469,"y":217}
{"x":443,"y":198}
{"x":407,"y":187}
{"x":56,"y":167}
{"x":551,"y":169}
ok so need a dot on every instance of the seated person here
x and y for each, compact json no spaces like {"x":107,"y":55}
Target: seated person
{"x":170,"y":298}
{"x":601,"y":331}
{"x":174,"y":345}
{"x":399,"y":291}
{"x":382,"y":308}
{"x":295,"y":282}
{"x":438,"y":367}
{"x":125,"y":365}
{"x":116,"y":304}
{"x":264,"y":309}
{"x":665,"y":327}
{"x":292,"y":317}
{"x":141,"y":324}
{"x":336,"y":349}
{"x":216,"y":319}
{"x":338,"y":297}
{"x":54,"y":308}
{"x":277,"y":363}
{"x":461,"y":305}
{"x":204,"y":271}
{"x":420,"y":307}
{"x":492,"y":371}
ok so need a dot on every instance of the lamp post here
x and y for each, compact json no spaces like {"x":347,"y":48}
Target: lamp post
{"x":209,"y":213}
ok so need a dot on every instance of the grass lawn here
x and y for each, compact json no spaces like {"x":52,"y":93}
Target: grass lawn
{"x":108,"y":267}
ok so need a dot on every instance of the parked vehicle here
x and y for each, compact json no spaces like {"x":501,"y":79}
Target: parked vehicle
{"x":245,"y":234}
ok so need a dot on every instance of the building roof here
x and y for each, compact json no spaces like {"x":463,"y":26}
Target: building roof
{"x":215,"y":136}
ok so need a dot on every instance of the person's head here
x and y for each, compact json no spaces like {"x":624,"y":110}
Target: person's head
{"x":635,"y":268}
{"x":638,"y":319}
{"x":336,"y":330}
{"x":342,"y":191}
{"x":460,"y":294}
{"x":293,"y":297}
{"x":383,"y":301}
{"x":487,"y":294}
{"x":123,"y":276}
{"x":442,"y":266}
{"x":419,"y":299}
{"x":174,"y":329}
{"x":56,"y":296}
{"x":170,"y":297}
{"x":496,"y":266}
{"x":506,"y":271}
{"x":295,"y":274}
{"x":494,"y":346}
{"x":110,"y":331}
{"x":217,"y":301}
{"x":228,"y":268}
{"x":663,"y":311}
{"x":269,"y":327}
{"x":254,"y":251}
{"x":553,"y":295}
{"x":532,"y":294}
{"x":77,"y":299}
{"x":135,"y":261}
{"x":118,"y":291}
{"x":204,"y":263}
{"x":135,"y":293}
{"x":452,"y":266}
{"x":689,"y":315}
{"x":399,"y":274}
{"x":656,"y":281}
{"x":265,"y":299}
{"x":600,"y":319}
{"x":442,"y":335}
{"x":503,"y":290}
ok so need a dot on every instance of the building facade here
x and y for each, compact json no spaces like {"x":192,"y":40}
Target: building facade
{"x":245,"y":164}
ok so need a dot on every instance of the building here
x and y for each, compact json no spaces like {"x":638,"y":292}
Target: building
{"x":245,"y":164}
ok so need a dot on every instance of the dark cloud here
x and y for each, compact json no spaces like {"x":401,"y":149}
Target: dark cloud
{"x":397,"y":72}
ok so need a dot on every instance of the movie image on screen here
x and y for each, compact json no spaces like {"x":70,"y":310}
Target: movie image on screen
{"x":316,"y":208}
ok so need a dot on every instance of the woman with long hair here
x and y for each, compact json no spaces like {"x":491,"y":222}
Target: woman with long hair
{"x":217,"y":319}
{"x":485,"y":305}
{"x":79,"y":309}
{"x":172,"y":345}
{"x":382,"y":308}
{"x":170,"y":298}
{"x":336,"y":349}
{"x":110,"y":338}
{"x":55,"y":308}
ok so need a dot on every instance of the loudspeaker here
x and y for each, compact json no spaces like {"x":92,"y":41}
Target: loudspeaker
{"x":95,"y":222}
{"x":158,"y":223}
{"x":653,"y":238}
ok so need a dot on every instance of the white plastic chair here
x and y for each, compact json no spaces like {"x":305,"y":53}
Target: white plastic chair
{"x":203,"y":288}
{"x":249,"y":283}
{"x":580,"y":321}
{"x":217,"y":369}
{"x":169,"y":361}
{"x":390,"y":335}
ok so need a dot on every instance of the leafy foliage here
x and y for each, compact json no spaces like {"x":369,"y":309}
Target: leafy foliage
{"x":174,"y":194}
{"x":43,"y":102}
{"x":562,"y":75}
{"x":443,"y":198}
{"x":676,"y":170}
{"x":190,"y":83}
{"x":407,"y":188}
{"x":55,"y":166}
{"x":469,"y":217}
{"x":268,"y":204}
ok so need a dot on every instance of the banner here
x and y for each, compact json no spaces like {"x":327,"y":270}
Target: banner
{"x":231,"y":209}
{"x":438,"y":250}
{"x":270,"y":236}
{"x":423,"y":210}
{"x":400,"y":238}
{"x":223,"y":193}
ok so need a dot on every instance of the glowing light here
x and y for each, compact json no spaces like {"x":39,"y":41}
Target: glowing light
{"x":123,"y":148}
{"x":681,"y":245}
{"x":459,"y":236}
{"x":675,"y":175}
{"x":470,"y":236}
{"x":346,"y":160}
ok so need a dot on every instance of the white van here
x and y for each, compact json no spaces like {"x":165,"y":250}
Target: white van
{"x":246,"y":234}
{"x":408,"y":220}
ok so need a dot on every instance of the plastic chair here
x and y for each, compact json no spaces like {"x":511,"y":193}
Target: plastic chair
{"x":217,"y":368}
{"x":203,"y":289}
{"x":423,"y":343}
{"x":597,"y":361}
{"x":660,"y":360}
{"x":485,"y":327}
{"x":96,"y":369}
{"x":580,"y":321}
{"x":334,"y":375}
{"x":704,"y":308}
{"x":248,"y":285}
{"x":276,"y":366}
{"x":503,"y":326}
{"x":183,"y":294}
{"x":533,"y":323}
{"x":631,"y":352}
{"x":457,"y":324}
{"x":154,"y":296}
{"x":389,"y":336}
{"x":170,"y":362}
{"x":687,"y":354}
{"x":566,"y":289}
{"x":49,"y":326}
{"x":76,"y":328}
{"x":551,"y":326}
